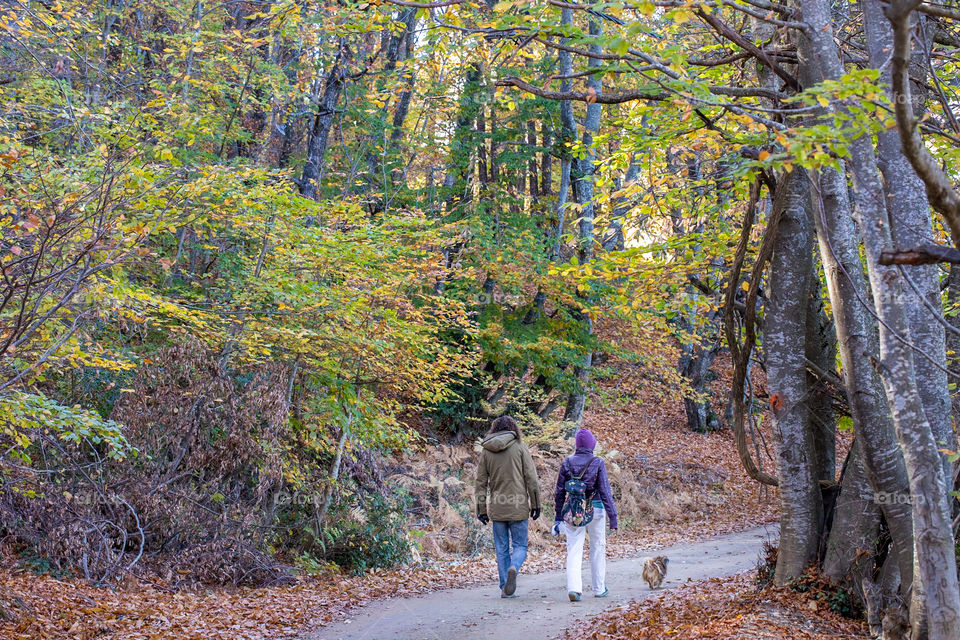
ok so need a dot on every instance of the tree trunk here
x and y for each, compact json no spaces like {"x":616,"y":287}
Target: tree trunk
{"x":933,"y":539}
{"x":532,"y":165}
{"x":324,"y":507}
{"x":912,"y":226}
{"x":546,"y":161}
{"x":856,"y":525}
{"x":398,"y":172}
{"x":613,"y":239}
{"x":583,"y":189}
{"x":857,"y":336}
{"x":821,"y":351}
{"x":784,"y":336}
{"x":694,"y":366}
{"x":909,"y":214}
{"x":883,"y":462}
{"x":320,"y":131}
{"x":953,"y":338}
{"x":568,"y":132}
{"x":460,"y":165}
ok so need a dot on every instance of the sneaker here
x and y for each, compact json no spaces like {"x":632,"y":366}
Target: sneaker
{"x":511,"y":585}
{"x":605,"y":593}
{"x":503,"y":594}
{"x":574,"y":596}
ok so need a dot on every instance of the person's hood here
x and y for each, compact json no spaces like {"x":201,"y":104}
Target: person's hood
{"x":585,"y":440}
{"x":499,"y":441}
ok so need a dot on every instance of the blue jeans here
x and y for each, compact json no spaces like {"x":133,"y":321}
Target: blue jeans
{"x":505,"y":536}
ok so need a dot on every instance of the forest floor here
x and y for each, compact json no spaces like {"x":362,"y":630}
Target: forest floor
{"x":541,"y":611}
{"x":675,"y":489}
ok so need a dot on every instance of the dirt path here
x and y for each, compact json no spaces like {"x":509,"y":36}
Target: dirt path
{"x":542,"y":611}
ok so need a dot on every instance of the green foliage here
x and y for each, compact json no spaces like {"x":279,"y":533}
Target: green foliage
{"x":23,"y":414}
{"x":149,"y":164}
{"x":378,"y":540}
{"x":42,"y":566}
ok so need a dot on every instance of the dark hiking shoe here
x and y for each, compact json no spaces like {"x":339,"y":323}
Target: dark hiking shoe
{"x":574,"y":596}
{"x":605,"y":593}
{"x":510,"y":588}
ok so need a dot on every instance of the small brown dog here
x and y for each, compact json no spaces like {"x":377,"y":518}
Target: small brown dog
{"x":654,"y":569}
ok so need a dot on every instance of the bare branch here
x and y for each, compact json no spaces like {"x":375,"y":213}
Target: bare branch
{"x":927,"y":254}
{"x":584,"y":52}
{"x":633,"y":95}
{"x":426,"y":5}
{"x":736,"y":38}
{"x":938,"y":10}
{"x":583,"y":96}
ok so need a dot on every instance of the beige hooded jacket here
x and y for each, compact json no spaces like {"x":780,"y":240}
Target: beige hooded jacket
{"x":507,"y":472}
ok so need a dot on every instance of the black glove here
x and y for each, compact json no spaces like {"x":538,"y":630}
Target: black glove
{"x":534,"y":514}
{"x":483,"y":518}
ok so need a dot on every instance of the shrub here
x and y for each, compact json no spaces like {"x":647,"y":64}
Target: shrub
{"x":837,"y":599}
{"x":376,"y":539}
{"x":767,"y":565}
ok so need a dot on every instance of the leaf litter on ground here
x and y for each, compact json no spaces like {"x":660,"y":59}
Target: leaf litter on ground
{"x":728,"y":609}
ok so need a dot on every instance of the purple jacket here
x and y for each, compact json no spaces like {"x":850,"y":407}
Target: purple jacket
{"x":598,"y":485}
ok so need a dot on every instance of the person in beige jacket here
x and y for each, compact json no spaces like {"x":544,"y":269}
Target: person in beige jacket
{"x":506,"y":471}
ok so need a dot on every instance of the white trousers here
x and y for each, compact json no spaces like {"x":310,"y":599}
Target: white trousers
{"x":597,"y":529}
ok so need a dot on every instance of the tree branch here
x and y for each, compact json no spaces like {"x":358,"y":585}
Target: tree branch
{"x":583,"y":96}
{"x":632,"y":95}
{"x":938,"y":10}
{"x":734,"y":37}
{"x":426,"y":5}
{"x":937,"y":183}
{"x":584,"y":52}
{"x":740,"y":352}
{"x":926,"y":254}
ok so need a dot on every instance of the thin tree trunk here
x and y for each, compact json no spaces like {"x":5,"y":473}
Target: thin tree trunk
{"x":460,"y":166}
{"x":334,"y":476}
{"x":856,"y":525}
{"x":320,"y":131}
{"x":583,"y":188}
{"x":534,"y":181}
{"x":613,"y":239}
{"x":568,"y":132}
{"x":546,"y":161}
{"x":821,"y":350}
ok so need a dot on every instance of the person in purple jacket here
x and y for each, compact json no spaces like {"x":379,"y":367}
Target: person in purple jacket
{"x":604,"y":512}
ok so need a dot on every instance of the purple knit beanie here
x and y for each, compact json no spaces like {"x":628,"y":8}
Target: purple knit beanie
{"x":585,"y":440}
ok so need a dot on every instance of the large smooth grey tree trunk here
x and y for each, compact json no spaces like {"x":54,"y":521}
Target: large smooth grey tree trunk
{"x":911,"y":226}
{"x":783,"y":339}
{"x":857,"y":332}
{"x":856,"y":524}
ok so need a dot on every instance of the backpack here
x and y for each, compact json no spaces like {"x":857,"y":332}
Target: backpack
{"x":577,"y":508}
